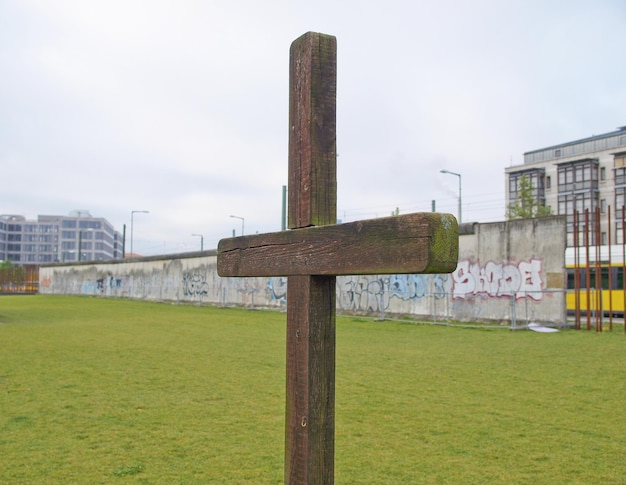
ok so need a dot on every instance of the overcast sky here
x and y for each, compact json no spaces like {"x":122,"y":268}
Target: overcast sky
{"x":180,"y":107}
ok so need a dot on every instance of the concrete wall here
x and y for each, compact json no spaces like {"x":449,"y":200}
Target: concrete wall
{"x":512,"y":270}
{"x":508,"y":271}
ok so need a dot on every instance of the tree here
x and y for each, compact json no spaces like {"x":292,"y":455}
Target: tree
{"x":526,"y":205}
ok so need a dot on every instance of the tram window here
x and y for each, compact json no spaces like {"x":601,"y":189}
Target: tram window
{"x":614,"y":282}
{"x":618,"y":281}
{"x":605,"y":278}
{"x":592,"y":278}
{"x":617,"y":278}
{"x":570,"y":279}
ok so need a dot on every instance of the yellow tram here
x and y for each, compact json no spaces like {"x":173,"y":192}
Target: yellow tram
{"x":595,"y":279}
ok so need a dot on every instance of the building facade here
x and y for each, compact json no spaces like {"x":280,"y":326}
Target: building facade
{"x":53,"y":239}
{"x":575,"y":177}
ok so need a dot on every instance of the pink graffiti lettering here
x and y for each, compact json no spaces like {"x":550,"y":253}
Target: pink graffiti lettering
{"x":498,"y":279}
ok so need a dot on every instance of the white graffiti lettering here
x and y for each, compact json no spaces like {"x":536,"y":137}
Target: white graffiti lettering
{"x":498,"y":280}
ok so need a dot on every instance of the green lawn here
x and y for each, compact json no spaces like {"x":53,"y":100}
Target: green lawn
{"x":109,"y":391}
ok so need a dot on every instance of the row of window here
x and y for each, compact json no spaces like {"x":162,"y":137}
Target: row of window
{"x":73,"y":224}
{"x":610,"y":278}
{"x":579,"y":176}
{"x":46,"y":248}
{"x":33,"y":238}
{"x":53,"y":258}
{"x":572,"y":177}
{"x":100,"y":236}
{"x":33,"y":258}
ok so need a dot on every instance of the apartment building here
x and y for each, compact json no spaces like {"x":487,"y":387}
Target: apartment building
{"x":575,"y":176}
{"x":51,"y":238}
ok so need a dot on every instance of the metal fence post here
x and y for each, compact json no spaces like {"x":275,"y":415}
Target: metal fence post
{"x":513,"y":316}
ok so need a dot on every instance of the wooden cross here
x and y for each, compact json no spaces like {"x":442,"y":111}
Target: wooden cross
{"x":317,"y":250}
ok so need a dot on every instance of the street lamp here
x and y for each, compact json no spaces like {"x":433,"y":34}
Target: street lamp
{"x":458,"y":175}
{"x":201,"y":241}
{"x":242,"y":222}
{"x":80,"y":242}
{"x":132,"y":214}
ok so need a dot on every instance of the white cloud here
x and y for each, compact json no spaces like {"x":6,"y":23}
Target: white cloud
{"x":180,"y":108}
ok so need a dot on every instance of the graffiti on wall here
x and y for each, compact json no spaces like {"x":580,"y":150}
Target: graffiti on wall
{"x":277,"y":288}
{"x":364,"y":293}
{"x":195,"y":284}
{"x":374,"y":293}
{"x":498,"y":280}
{"x":109,"y":282}
{"x":414,"y":286}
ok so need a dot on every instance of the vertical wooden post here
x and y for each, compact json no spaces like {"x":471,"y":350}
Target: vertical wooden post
{"x":587,"y":270}
{"x":577,"y":270}
{"x":312,"y":257}
{"x":598,"y":270}
{"x":310,"y":400}
{"x":610,"y":269}
{"x":624,"y":265}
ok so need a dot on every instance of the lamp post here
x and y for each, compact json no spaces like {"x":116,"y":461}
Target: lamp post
{"x":458,"y":175}
{"x":201,"y":241}
{"x":132,"y":214}
{"x":80,"y":242}
{"x":242,"y":222}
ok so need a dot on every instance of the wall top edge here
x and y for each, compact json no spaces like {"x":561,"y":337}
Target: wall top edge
{"x":160,"y":257}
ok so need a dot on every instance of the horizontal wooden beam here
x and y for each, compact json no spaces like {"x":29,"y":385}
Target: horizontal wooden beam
{"x":406,"y":244}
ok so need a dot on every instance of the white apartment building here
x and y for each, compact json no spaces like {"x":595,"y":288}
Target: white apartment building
{"x":51,"y":239}
{"x":579,"y":175}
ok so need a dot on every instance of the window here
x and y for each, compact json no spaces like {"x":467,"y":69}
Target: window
{"x":536,"y":178}
{"x":620,"y":176}
{"x":548,"y":182}
{"x":583,"y":203}
{"x":579,"y":175}
{"x":90,"y":225}
{"x":603,"y":173}
{"x":619,"y":200}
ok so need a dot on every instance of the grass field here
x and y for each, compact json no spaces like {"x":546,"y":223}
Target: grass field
{"x":107,"y":391}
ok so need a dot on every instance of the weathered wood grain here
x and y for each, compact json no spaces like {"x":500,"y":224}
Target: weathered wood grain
{"x":310,"y":403}
{"x":312,"y":131}
{"x":310,"y":399}
{"x":315,"y":251}
{"x":410,"y":243}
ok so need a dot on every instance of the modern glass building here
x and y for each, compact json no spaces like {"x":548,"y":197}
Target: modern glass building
{"x":51,"y":239}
